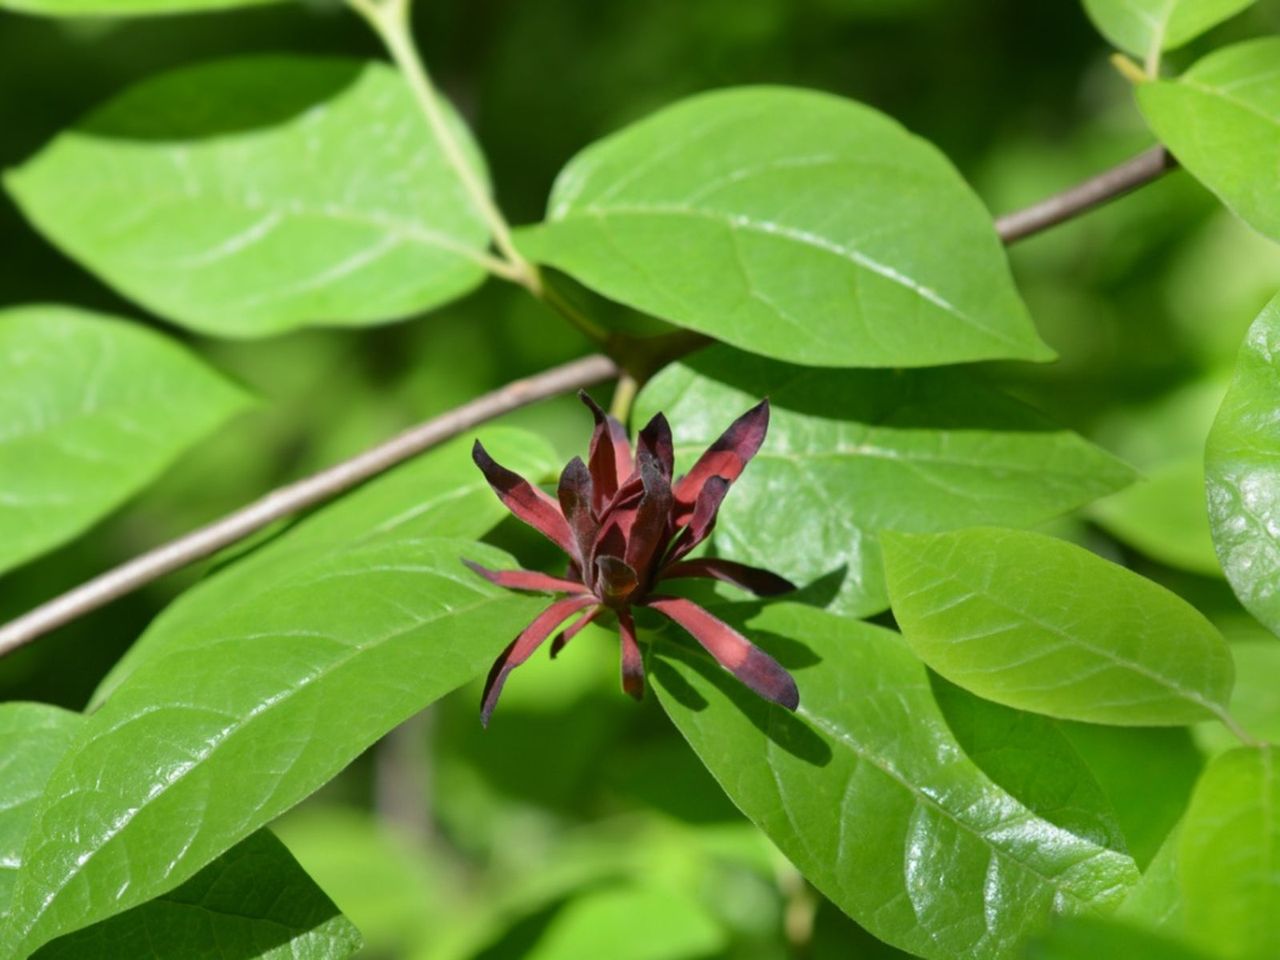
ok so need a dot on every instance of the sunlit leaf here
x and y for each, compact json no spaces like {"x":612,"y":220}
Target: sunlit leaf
{"x":793,"y":224}
{"x":866,"y":791}
{"x":117,"y":8}
{"x":252,"y":903}
{"x":1242,"y":472}
{"x":249,"y":711}
{"x":851,"y":453}
{"x":1228,"y":854}
{"x":1142,"y":26}
{"x":1043,"y":625}
{"x":246,"y":197}
{"x":91,"y":410}
{"x":1221,"y":119}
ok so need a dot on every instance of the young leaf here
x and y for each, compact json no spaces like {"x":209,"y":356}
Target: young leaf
{"x":248,"y":712}
{"x":91,"y":410}
{"x":866,"y":791}
{"x":1143,"y":26}
{"x":33,"y":738}
{"x":246,"y":197}
{"x":120,"y":8}
{"x":440,"y":494}
{"x":1043,"y":625}
{"x":253,"y":903}
{"x":1028,"y":756}
{"x":1242,"y":472}
{"x":1221,"y":119}
{"x":1227,"y":854}
{"x":793,"y":224}
{"x":857,"y":452}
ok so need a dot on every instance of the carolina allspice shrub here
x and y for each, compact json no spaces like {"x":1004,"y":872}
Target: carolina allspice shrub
{"x":944,"y":575}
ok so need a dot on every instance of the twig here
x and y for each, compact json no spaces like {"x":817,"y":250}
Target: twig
{"x":320,"y":487}
{"x":1119,"y":180}
{"x":297,"y":496}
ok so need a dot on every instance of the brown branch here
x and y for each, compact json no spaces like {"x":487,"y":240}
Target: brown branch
{"x":645,"y":356}
{"x":1106,"y":186}
{"x":297,"y":496}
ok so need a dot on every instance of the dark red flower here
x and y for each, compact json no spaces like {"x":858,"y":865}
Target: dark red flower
{"x":627,"y":526}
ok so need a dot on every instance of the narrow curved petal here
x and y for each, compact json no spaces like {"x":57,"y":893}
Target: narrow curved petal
{"x":655,"y":439}
{"x":703,"y":520}
{"x":616,"y":580}
{"x":732,"y":650}
{"x":632,"y":660}
{"x":650,"y":530}
{"x":564,"y":636}
{"x":575,"y":497}
{"x":527,"y":580}
{"x":522,"y":647}
{"x":525,"y":500}
{"x":726,"y":458}
{"x":760,"y":582}
{"x":610,"y":455}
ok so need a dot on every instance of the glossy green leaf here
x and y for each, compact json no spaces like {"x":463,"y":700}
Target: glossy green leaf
{"x":1229,"y":856}
{"x":91,"y":410}
{"x":245,"y":197}
{"x":869,"y":795}
{"x":253,"y":903}
{"x":851,"y":453}
{"x":1221,"y":119}
{"x":1242,"y":472}
{"x":1028,"y":756}
{"x":251,"y":710}
{"x":1142,"y":26}
{"x":120,"y":8}
{"x":793,"y":224}
{"x":439,"y":494}
{"x":1164,"y":516}
{"x":33,"y":738}
{"x":1043,"y":625}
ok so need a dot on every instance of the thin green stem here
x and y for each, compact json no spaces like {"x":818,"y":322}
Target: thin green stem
{"x":624,"y":395}
{"x":391,"y":21}
{"x":557,"y":301}
{"x":1232,"y":724}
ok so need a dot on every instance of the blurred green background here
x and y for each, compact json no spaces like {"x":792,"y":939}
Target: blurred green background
{"x":579,"y":813}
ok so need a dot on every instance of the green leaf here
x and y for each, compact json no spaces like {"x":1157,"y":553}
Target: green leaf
{"x":245,"y":197}
{"x":253,"y":903}
{"x":1043,"y":625}
{"x":249,"y":711}
{"x":1227,"y":855}
{"x":1028,"y":756}
{"x":1091,"y":938}
{"x":1255,"y":699}
{"x":439,"y":494}
{"x":1221,"y":119}
{"x":33,"y":738}
{"x":91,"y":410}
{"x":869,"y":795}
{"x":1156,"y":902}
{"x":1142,"y":26}
{"x":1242,"y":472}
{"x":792,"y":224}
{"x":857,"y":452}
{"x":1164,"y":516}
{"x":120,"y":8}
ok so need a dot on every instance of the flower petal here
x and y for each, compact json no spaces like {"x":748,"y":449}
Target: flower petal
{"x":610,"y":454}
{"x":574,"y":492}
{"x":703,"y":520}
{"x":576,"y":628}
{"x":762,"y":583}
{"x":655,"y":439}
{"x":632,"y":660}
{"x":525,"y":500}
{"x":522,"y":647}
{"x":527,"y":580}
{"x":727,"y":457}
{"x":732,"y":650}
{"x":650,"y":530}
{"x":616,"y":580}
